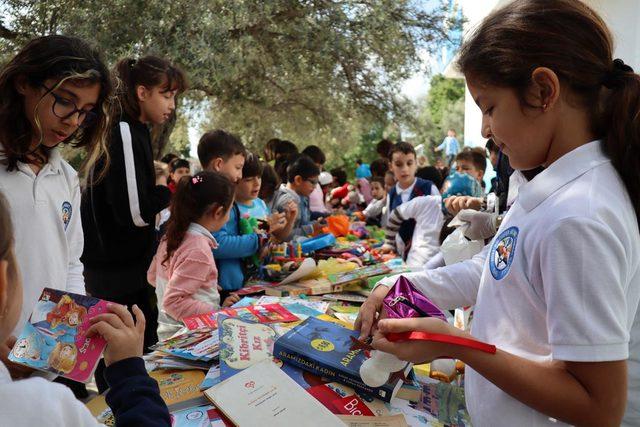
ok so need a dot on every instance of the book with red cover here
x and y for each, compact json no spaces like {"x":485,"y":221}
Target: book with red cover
{"x":267,"y":313}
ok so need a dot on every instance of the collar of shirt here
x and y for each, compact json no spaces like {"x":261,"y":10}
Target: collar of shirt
{"x":54,"y":163}
{"x":407,"y":191}
{"x":559,"y":173}
{"x":196,"y":228}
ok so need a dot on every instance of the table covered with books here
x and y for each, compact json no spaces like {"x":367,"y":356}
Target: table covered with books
{"x":288,"y":349}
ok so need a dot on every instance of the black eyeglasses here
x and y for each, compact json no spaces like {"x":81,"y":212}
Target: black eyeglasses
{"x":64,"y":108}
{"x":313,"y":181}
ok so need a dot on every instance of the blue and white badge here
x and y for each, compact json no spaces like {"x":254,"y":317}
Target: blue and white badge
{"x":502,"y":252}
{"x":67,"y":210}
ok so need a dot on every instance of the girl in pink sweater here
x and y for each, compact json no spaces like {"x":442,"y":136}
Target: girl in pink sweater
{"x":183,"y":270}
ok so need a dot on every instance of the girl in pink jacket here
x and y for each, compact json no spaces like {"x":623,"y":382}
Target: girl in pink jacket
{"x":183,"y":270}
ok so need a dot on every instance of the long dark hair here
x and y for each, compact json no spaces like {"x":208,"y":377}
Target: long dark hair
{"x":571,"y":39}
{"x":193,"y":198}
{"x":61,"y":58}
{"x":148,"y":71}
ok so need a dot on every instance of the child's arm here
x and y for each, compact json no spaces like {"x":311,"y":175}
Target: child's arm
{"x":448,"y":287}
{"x":233,"y":245}
{"x":291,"y":213}
{"x":190,"y":274}
{"x":132,"y":201}
{"x":578,"y":393}
{"x":153,"y":271}
{"x":133,"y":396}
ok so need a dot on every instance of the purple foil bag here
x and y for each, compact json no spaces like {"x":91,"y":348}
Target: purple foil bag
{"x":404,"y":301}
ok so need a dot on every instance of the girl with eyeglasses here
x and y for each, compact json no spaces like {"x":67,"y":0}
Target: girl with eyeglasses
{"x":119,"y":210}
{"x":55,"y":91}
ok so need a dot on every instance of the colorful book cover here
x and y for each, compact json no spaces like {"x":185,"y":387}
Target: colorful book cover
{"x":324,"y":348}
{"x":193,"y":345}
{"x":268,"y":313}
{"x":180,"y":389}
{"x":358,"y":274}
{"x":101,"y":411}
{"x":54,"y":339}
{"x":242,"y":344}
{"x":191,"y":417}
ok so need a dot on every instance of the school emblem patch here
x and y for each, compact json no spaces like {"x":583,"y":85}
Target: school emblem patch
{"x":502,"y":252}
{"x":66,"y":214}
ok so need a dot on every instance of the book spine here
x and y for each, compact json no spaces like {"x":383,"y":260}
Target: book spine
{"x":296,"y":358}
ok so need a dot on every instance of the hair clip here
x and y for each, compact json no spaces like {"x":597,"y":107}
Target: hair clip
{"x":196,"y":180}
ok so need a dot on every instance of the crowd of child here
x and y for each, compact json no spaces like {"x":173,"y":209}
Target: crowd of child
{"x":164,"y":244}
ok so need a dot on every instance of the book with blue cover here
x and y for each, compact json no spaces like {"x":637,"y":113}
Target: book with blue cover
{"x":324,"y":348}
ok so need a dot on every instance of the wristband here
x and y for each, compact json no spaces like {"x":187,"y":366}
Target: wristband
{"x":447,"y":339}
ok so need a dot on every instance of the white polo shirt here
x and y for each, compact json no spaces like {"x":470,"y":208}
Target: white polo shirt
{"x":561,"y":281}
{"x":45,"y":211}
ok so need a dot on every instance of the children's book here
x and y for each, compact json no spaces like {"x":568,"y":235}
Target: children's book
{"x":180,"y":389}
{"x":262,"y":395}
{"x":325,"y":348}
{"x":192,"y":417}
{"x":359,"y":274}
{"x":54,"y":339}
{"x":195,"y":345}
{"x":242,"y":344}
{"x":101,"y":411}
{"x":268,"y":313}
{"x":305,"y":287}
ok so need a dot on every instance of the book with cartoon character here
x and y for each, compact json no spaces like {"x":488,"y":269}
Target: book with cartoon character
{"x":54,"y":339}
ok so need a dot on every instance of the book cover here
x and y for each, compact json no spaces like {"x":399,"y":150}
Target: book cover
{"x":305,"y":287}
{"x":359,"y":274}
{"x":101,"y":411}
{"x":324,"y":348}
{"x":180,"y":389}
{"x":242,"y":344}
{"x":54,"y":340}
{"x":192,"y":417}
{"x":267,"y":313}
{"x":194,"y":345}
{"x":262,"y":395}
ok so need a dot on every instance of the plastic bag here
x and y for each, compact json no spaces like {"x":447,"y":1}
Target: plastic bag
{"x":456,"y":247}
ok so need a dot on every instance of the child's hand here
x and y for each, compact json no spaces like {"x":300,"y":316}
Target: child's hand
{"x":415,"y":351}
{"x":16,"y":370}
{"x":124,"y":337}
{"x":291,"y":212}
{"x":455,"y":204}
{"x":277,"y":222}
{"x":230,"y":300}
{"x":386,"y":249}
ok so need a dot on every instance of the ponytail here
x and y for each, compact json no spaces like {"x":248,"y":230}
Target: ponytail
{"x":194,"y":197}
{"x":621,"y":126}
{"x":149,"y":71}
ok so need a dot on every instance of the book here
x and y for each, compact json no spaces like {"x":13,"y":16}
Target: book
{"x":195,"y":345}
{"x":359,"y":274}
{"x":101,"y":411}
{"x":54,"y":339}
{"x":397,"y":420}
{"x":305,"y":287}
{"x":267,"y":313}
{"x":242,"y":344}
{"x":192,"y":417}
{"x":325,"y":348}
{"x":180,"y":389}
{"x":262,"y":395}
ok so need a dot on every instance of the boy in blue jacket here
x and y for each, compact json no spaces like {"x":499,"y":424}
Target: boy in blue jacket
{"x":223,"y":152}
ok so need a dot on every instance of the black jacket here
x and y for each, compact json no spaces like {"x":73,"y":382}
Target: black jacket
{"x":118,"y":213}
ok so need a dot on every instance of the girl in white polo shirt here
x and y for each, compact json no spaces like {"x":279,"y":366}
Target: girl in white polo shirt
{"x":560,"y":283}
{"x":55,"y":90}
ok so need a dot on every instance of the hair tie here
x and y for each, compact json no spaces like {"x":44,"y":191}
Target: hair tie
{"x":196,"y":180}
{"x":614,"y":78}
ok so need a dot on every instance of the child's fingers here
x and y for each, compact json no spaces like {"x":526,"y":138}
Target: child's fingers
{"x":140,"y":320}
{"x":123,"y":314}
{"x":387,"y":326}
{"x":110,"y":318}
{"x":102,"y":328}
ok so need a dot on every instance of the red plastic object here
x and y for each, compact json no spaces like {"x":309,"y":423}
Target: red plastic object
{"x":448,"y":339}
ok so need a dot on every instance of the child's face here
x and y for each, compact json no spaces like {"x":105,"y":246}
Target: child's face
{"x":377,"y":191}
{"x":177,"y":175}
{"x":232,"y":168}
{"x":465,"y":166}
{"x":389,"y":182}
{"x":451,"y":133}
{"x":305,"y":187}
{"x":524,"y":134}
{"x":248,"y":188}
{"x":156,"y":104}
{"x":404,"y":168}
{"x":53,"y":106}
